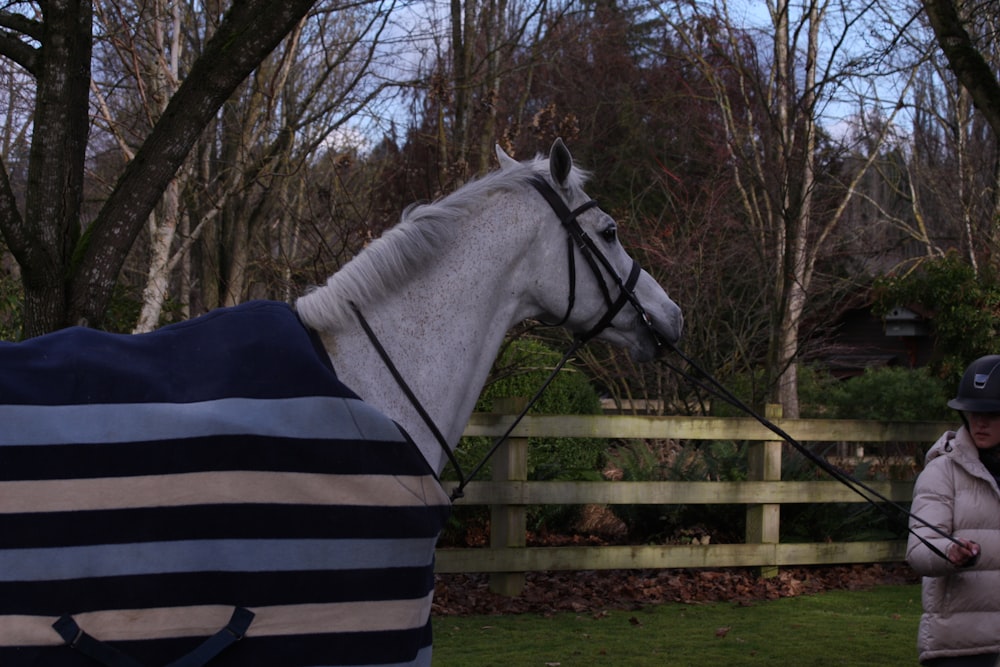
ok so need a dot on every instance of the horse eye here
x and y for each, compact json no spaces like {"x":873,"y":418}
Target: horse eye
{"x":610,"y":233}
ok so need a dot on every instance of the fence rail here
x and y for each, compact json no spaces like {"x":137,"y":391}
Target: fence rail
{"x":509,"y":492}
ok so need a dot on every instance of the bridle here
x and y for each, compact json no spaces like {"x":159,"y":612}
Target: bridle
{"x":596,"y":260}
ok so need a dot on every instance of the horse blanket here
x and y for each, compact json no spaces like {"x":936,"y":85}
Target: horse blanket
{"x":207,"y":494}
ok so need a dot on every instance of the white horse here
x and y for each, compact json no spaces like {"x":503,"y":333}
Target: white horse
{"x":211,"y":493}
{"x":442,"y":288}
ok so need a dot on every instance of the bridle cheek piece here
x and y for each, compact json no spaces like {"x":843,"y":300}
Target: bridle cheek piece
{"x":596,"y":260}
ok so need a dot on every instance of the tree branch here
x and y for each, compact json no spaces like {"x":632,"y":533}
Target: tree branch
{"x":968,"y":64}
{"x":248,"y":33}
{"x":23,"y":54}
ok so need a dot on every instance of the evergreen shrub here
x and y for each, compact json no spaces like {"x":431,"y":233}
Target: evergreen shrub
{"x":891,"y":394}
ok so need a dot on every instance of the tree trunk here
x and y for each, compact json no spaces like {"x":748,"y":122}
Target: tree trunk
{"x":783,"y":341}
{"x":158,"y":278}
{"x":43,"y":239}
{"x":163,"y":224}
{"x":236,"y":249}
{"x":798,"y":266}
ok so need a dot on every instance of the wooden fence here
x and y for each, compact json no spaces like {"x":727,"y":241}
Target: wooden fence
{"x":508,"y":493}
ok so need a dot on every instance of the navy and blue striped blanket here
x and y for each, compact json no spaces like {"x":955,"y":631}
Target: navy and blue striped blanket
{"x":166,"y":494}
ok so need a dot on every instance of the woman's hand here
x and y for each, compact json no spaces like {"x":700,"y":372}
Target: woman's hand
{"x":963,"y":553}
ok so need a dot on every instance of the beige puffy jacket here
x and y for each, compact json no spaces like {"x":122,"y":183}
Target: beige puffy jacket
{"x":957,"y":494}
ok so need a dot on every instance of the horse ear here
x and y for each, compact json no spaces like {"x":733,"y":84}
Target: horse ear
{"x":506,"y":161}
{"x":560,"y":162}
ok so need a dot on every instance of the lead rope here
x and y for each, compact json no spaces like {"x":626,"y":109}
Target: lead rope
{"x":715,"y":388}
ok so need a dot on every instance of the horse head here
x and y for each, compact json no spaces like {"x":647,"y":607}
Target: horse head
{"x":604,"y":292}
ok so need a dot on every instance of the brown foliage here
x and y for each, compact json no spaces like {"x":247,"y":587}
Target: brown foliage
{"x":596,"y":592}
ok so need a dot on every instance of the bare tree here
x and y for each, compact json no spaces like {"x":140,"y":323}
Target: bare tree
{"x":961,"y":122}
{"x":478,"y":47}
{"x":144,"y":45}
{"x":936,"y":187}
{"x":69,"y":275}
{"x":771,"y":117}
{"x":323,"y":79}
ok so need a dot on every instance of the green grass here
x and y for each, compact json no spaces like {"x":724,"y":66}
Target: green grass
{"x":877,"y":628}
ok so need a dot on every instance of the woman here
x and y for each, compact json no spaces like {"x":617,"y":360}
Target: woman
{"x":958,"y":493}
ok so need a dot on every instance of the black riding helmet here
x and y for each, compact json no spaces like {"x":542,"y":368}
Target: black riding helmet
{"x":979,"y":390}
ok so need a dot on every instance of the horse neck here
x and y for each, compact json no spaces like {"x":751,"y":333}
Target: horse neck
{"x":442,"y":331}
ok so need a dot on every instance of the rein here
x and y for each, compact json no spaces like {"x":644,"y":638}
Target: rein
{"x":594,"y":257}
{"x":463,"y":479}
{"x":626,"y":295}
{"x":873,"y":497}
{"x":398,"y":377}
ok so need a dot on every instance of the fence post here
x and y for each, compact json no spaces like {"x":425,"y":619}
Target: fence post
{"x":764,"y":464}
{"x":508,"y":523}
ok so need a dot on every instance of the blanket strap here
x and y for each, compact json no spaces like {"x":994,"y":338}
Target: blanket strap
{"x":77,"y":639}
{"x":234,"y":631}
{"x":109,"y":656}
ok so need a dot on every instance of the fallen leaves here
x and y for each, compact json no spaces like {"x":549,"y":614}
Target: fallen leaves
{"x":596,"y":592}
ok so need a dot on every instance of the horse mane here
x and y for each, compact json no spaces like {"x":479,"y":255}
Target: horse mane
{"x":383,"y":265}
